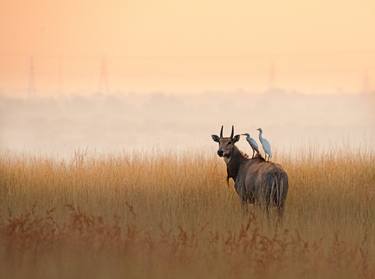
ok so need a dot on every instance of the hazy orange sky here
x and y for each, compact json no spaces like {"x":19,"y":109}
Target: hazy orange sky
{"x":189,"y":45}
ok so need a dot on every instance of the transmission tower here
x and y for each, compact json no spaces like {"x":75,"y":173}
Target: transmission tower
{"x":103,"y":87}
{"x":31,"y":91}
{"x":271,"y":76}
{"x":366,"y":83}
{"x":60,"y":78}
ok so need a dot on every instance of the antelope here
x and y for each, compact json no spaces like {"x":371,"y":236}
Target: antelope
{"x":256,"y":180}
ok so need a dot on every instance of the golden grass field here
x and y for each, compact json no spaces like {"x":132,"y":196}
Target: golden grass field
{"x":173,"y":216}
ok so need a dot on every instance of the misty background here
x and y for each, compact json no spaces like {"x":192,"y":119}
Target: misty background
{"x":113,"y":76}
{"x":111,"y":124}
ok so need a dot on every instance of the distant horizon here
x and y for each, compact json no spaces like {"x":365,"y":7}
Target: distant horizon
{"x":23,"y":94}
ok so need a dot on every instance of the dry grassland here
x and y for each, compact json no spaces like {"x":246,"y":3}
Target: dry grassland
{"x":173,"y":216}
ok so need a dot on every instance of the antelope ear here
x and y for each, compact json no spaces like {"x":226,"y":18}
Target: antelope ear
{"x":236,"y":138}
{"x":215,"y":138}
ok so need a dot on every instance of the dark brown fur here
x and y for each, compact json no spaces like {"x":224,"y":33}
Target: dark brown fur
{"x":257,"y":181}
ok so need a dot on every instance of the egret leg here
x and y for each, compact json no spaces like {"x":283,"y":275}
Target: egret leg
{"x":253,"y":153}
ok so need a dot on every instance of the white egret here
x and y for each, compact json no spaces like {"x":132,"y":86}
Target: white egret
{"x":265,"y":144}
{"x":253,"y":143}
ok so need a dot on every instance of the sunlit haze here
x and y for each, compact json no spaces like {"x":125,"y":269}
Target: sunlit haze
{"x":187,"y":46}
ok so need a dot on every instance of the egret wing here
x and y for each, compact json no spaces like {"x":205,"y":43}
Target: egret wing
{"x":267,"y":147}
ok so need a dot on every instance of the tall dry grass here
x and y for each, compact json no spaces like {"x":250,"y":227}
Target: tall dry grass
{"x":169,"y":215}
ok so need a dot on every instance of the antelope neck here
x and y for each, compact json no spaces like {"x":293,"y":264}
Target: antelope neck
{"x":234,"y":162}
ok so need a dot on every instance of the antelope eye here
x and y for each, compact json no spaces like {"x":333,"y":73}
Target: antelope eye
{"x":229,"y":142}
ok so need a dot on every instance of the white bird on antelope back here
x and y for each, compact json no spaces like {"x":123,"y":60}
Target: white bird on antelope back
{"x":265,"y":144}
{"x":253,"y":143}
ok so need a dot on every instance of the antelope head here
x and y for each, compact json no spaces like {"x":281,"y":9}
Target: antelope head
{"x":226,"y":144}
